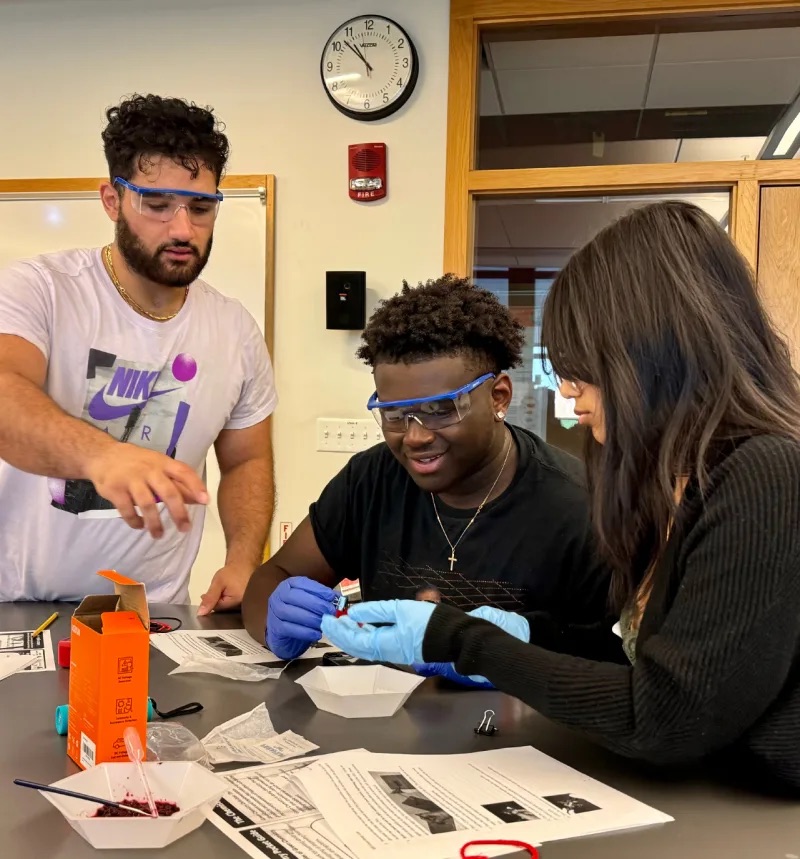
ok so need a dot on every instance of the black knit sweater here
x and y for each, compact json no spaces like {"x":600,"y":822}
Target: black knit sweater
{"x":718,"y":651}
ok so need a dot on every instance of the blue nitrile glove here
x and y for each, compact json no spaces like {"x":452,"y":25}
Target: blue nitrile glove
{"x":294,"y":615}
{"x":508,"y":621}
{"x":446,"y":670}
{"x":514,"y":624}
{"x":400,"y":643}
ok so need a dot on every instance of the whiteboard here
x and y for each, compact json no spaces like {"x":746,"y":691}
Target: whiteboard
{"x":32,"y":224}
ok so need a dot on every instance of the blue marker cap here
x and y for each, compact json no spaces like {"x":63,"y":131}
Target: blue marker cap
{"x":62,"y":719}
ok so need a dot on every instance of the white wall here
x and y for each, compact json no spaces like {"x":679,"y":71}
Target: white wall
{"x":257,"y":63}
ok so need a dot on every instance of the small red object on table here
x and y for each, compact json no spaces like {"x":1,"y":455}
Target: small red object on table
{"x":64,"y":652}
{"x":533,"y":853}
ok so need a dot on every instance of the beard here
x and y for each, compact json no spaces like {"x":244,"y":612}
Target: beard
{"x":155,"y":267}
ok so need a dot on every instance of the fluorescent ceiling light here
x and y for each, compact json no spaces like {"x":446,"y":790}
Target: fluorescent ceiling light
{"x":784,"y":139}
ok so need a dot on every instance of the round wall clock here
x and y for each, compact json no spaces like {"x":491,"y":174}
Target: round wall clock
{"x":369,"y":67}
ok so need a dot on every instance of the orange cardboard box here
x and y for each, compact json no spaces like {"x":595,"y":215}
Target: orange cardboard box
{"x":109,"y":667}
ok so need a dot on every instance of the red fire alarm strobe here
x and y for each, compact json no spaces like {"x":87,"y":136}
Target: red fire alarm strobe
{"x":366,"y":163}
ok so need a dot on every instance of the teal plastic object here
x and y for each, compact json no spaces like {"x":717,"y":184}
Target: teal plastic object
{"x":62,"y":717}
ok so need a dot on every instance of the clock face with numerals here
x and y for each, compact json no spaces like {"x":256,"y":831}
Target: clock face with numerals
{"x":369,"y":67}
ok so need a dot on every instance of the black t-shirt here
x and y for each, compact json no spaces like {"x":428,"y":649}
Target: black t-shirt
{"x":530,"y":549}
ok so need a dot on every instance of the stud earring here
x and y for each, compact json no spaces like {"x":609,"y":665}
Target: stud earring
{"x":500,"y":415}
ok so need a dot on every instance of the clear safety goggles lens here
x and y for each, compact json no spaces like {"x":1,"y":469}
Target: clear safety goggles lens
{"x":164,"y":206}
{"x":433,"y":415}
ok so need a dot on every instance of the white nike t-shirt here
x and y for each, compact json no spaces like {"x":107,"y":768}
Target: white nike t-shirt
{"x":169,"y":386}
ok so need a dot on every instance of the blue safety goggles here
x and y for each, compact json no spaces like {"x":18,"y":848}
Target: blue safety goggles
{"x":434,"y":413}
{"x":162,"y":204}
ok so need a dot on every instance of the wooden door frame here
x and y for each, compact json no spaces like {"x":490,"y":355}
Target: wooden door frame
{"x":464,"y":184}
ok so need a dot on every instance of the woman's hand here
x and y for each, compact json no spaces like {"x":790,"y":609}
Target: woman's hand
{"x":400,"y":643}
{"x":513,"y":624}
{"x":448,"y":671}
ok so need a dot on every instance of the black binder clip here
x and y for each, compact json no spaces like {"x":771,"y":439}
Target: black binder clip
{"x":486,"y":727}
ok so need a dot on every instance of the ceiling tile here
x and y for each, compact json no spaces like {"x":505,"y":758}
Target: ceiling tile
{"x":729,"y":45}
{"x":557,"y":225}
{"x":724,"y":83}
{"x":488,"y":104}
{"x":572,"y":90}
{"x":489,"y":230}
{"x":572,"y":53}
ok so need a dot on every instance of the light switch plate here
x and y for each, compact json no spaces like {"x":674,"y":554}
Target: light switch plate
{"x":347,"y":435}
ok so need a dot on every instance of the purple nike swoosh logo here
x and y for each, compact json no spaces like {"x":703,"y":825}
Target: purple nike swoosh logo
{"x":100,"y":410}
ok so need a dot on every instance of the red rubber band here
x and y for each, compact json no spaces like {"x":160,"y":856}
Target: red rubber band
{"x":520,"y":845}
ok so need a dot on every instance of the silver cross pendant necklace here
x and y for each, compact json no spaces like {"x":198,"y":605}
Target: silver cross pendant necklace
{"x":453,"y":559}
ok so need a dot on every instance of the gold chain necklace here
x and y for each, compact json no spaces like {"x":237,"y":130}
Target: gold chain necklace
{"x":453,"y":559}
{"x":130,"y":301}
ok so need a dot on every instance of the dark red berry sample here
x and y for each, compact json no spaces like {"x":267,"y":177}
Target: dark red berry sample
{"x":164,"y":807}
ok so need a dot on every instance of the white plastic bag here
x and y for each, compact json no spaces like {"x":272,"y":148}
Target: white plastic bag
{"x":224,"y":668}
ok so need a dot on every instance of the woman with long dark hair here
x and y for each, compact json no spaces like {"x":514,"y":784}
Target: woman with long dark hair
{"x":693,"y":462}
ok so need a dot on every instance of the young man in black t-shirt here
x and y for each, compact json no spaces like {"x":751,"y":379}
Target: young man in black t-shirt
{"x":457,"y":506}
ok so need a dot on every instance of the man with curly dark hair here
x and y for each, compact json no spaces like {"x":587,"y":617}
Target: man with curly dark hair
{"x":117,"y":376}
{"x":457,"y":505}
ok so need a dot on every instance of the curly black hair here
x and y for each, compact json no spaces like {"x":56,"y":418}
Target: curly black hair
{"x":446,"y":316}
{"x":144,"y":126}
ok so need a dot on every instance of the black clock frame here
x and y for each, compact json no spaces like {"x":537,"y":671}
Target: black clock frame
{"x":394,"y":106}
